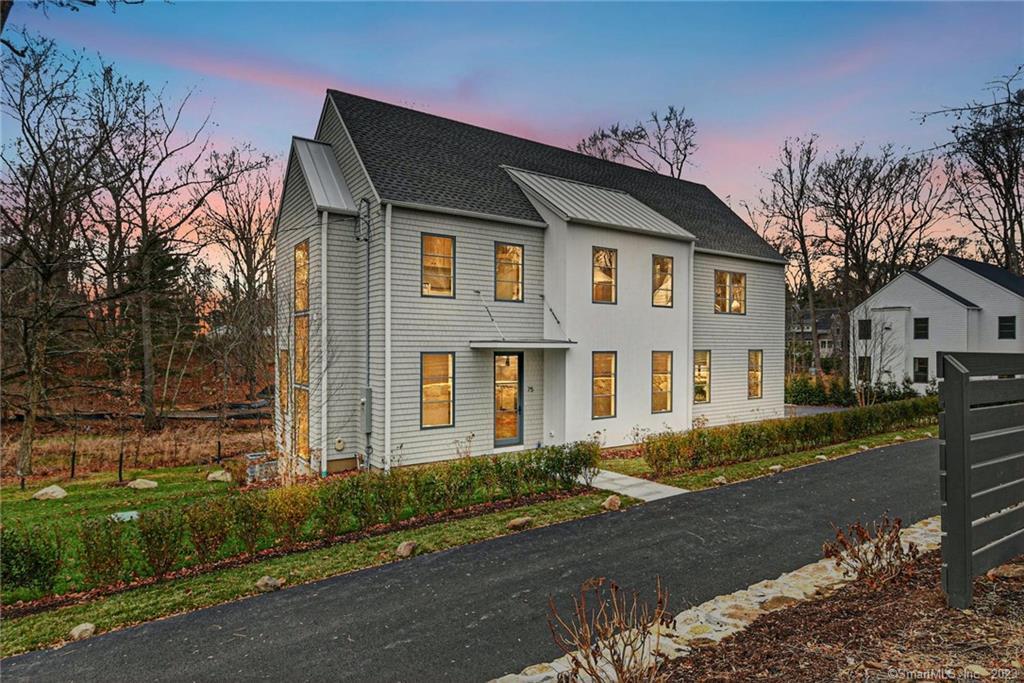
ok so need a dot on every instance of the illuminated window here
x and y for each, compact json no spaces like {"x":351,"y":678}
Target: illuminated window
{"x":302,"y":349}
{"x":302,"y":423}
{"x":302,"y":276}
{"x":282,"y":380}
{"x":701,"y":376}
{"x":508,"y":272}
{"x":605,"y":261}
{"x":662,"y":281}
{"x":602,"y":401}
{"x":437,"y":265}
{"x":437,"y":390}
{"x":730,"y":292}
{"x":754,"y":360}
{"x":661,"y":382}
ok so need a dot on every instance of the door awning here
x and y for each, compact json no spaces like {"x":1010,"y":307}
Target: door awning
{"x":525,"y":344}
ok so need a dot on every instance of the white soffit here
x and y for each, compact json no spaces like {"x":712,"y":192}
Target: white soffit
{"x":326,"y":184}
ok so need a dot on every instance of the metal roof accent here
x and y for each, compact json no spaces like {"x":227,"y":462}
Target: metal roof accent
{"x":517,"y":344}
{"x":323,"y":176}
{"x":580,"y":202}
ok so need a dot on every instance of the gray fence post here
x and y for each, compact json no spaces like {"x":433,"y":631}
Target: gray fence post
{"x":957,"y":549}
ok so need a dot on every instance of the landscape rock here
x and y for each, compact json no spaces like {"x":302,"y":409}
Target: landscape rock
{"x":219,"y":475}
{"x":775,"y":469}
{"x":612,"y":502}
{"x":268,"y":584}
{"x":719,"y":481}
{"x":778,"y":602}
{"x":865,"y":447}
{"x":821,"y":458}
{"x":897,"y":439}
{"x":83,"y":631}
{"x":1008,"y":571}
{"x":405,"y":549}
{"x":519,"y":523}
{"x":50,"y":493}
{"x":142,"y":484}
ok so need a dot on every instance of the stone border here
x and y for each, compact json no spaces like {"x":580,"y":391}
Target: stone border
{"x":725,"y":615}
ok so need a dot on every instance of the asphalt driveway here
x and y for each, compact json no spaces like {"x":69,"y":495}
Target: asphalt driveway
{"x":476,"y":612}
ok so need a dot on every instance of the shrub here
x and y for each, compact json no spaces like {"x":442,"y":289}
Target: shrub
{"x":161,"y":538}
{"x":584,"y":457}
{"x":334,"y":506}
{"x":288,"y":509}
{"x":30,"y":557}
{"x":208,"y":525}
{"x":104,"y":548}
{"x":249,"y":518}
{"x":874,"y":556}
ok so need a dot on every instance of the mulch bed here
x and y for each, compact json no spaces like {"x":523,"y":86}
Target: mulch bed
{"x":904,"y":631}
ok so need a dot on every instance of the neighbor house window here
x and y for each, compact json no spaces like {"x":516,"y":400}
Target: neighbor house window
{"x":1007,"y":327}
{"x":662,"y":281}
{"x":754,"y":375}
{"x":864,"y":368}
{"x":602,"y":390}
{"x":301,"y":284}
{"x":730,"y":292}
{"x":701,"y":376}
{"x":921,"y":370}
{"x":604,"y":274}
{"x":508,"y":272}
{"x":920,"y":328}
{"x":437,"y":265}
{"x":864,"y":329}
{"x":437,"y":390}
{"x":282,"y":380}
{"x":661,"y":381}
{"x":302,"y":349}
{"x":302,"y":423}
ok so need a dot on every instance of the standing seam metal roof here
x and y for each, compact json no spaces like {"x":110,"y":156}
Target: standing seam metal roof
{"x":323,"y":176}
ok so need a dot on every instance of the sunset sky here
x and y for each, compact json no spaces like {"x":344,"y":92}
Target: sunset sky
{"x":749,"y":74}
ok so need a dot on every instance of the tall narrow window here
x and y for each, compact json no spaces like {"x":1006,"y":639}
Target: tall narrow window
{"x":921,"y":370}
{"x":302,"y":350}
{"x":437,"y":390}
{"x":1007,"y":327}
{"x":301,"y":284}
{"x":602,"y":395}
{"x":920,"y":328}
{"x":754,"y":375}
{"x":662,"y":281}
{"x":508,"y":272}
{"x":282,"y":380}
{"x":864,"y":329}
{"x":730,"y":292}
{"x":301,"y":423}
{"x":701,"y":376}
{"x":604,"y":275}
{"x":437,"y":265}
{"x":864,"y":368}
{"x":661,"y":381}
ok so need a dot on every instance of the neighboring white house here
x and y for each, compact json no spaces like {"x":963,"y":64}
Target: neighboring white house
{"x":444,"y":288}
{"x":952,"y":304}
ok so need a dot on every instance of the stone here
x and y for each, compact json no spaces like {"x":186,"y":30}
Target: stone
{"x":535,"y":669}
{"x":83,"y":631}
{"x":720,"y":481}
{"x":142,"y":484}
{"x":740,"y":613}
{"x":1008,"y":571}
{"x":125,"y":516}
{"x":978,"y":670}
{"x":775,"y":469}
{"x":50,"y":493}
{"x":897,"y":439}
{"x":612,"y":502}
{"x":219,"y":475}
{"x":405,"y":549}
{"x":519,"y":523}
{"x":865,"y":448}
{"x":268,"y":584}
{"x":821,"y":458}
{"x":778,"y":602}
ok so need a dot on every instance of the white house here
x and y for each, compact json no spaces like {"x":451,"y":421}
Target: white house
{"x":444,"y":288}
{"x":952,"y":304}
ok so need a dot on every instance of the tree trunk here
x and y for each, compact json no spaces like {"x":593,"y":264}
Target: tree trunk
{"x":35,"y":395}
{"x":150,"y":420}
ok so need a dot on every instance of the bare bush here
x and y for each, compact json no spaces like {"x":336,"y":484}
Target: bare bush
{"x":874,"y":556}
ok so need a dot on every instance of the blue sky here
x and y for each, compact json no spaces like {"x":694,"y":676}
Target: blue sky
{"x":748,"y":73}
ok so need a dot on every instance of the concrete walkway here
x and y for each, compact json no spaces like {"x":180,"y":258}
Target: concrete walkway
{"x":634,"y":487}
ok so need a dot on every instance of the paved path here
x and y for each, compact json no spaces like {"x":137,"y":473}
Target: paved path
{"x":476,"y":612}
{"x":641,"y":489}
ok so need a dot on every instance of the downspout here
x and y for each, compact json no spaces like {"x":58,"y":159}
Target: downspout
{"x":387,"y":337}
{"x":689,"y":337}
{"x":324,"y":355}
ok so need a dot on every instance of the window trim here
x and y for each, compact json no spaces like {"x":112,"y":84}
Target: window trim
{"x":1012,"y":320}
{"x":615,"y":280}
{"x":671,"y":382}
{"x":728,"y":292}
{"x":437,"y":353}
{"x":615,"y":385}
{"x":760,"y":377}
{"x":913,"y":369}
{"x":927,"y":328}
{"x":454,"y":264}
{"x":672,"y":287}
{"x":522,"y":272}
{"x":694,"y":378}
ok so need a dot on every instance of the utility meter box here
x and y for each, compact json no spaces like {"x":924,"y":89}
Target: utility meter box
{"x":366,"y":414}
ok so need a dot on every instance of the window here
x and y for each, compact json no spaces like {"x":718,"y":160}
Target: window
{"x":508,"y":272}
{"x":1007,"y":327}
{"x":282,"y":380}
{"x":437,"y":266}
{"x":661,"y":284}
{"x":701,"y":376}
{"x":864,"y":368}
{"x":864,"y":329}
{"x":301,"y":284}
{"x":302,"y":349}
{"x":730,"y":292}
{"x":920,"y":328}
{"x":661,"y":381}
{"x":605,"y":261}
{"x":920,"y":370}
{"x":437,"y":390}
{"x":301,"y":425}
{"x":602,"y":390}
{"x":754,"y":360}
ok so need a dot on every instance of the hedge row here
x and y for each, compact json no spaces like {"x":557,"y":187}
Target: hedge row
{"x":673,"y":451}
{"x":164,"y":539}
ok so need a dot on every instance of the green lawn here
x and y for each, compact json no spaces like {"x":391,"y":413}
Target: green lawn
{"x":702,"y":479}
{"x":144,"y":604}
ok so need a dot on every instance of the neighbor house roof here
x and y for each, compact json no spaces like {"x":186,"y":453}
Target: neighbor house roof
{"x":420,"y":158}
{"x":948,"y":292}
{"x":320,"y":168}
{"x":1000,"y":276}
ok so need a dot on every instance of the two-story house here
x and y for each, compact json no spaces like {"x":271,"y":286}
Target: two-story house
{"x":952,"y":304}
{"x":443,"y":289}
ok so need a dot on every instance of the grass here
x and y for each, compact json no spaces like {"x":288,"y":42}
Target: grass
{"x":183,"y":595}
{"x":702,"y":479}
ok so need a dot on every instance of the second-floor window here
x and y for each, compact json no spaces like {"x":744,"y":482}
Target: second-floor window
{"x":920,"y":328}
{"x":437,"y":265}
{"x":1007,"y":327}
{"x":508,"y":272}
{"x":662,"y":281}
{"x":301,"y":283}
{"x":730,"y":292}
{"x":605,"y":275}
{"x":864,"y":329}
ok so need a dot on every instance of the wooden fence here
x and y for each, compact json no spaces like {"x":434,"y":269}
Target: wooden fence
{"x":981,"y":462}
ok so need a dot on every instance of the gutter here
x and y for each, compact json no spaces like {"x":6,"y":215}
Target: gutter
{"x":324,"y":355}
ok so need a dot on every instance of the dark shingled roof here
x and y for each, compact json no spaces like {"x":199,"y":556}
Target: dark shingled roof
{"x":948,"y":292}
{"x":416,"y":157}
{"x":1000,"y":276}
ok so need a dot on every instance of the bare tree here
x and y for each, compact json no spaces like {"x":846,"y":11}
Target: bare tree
{"x":661,"y":144}
{"x":74,"y":5}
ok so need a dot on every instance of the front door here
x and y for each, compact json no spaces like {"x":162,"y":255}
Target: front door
{"x":508,"y":399}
